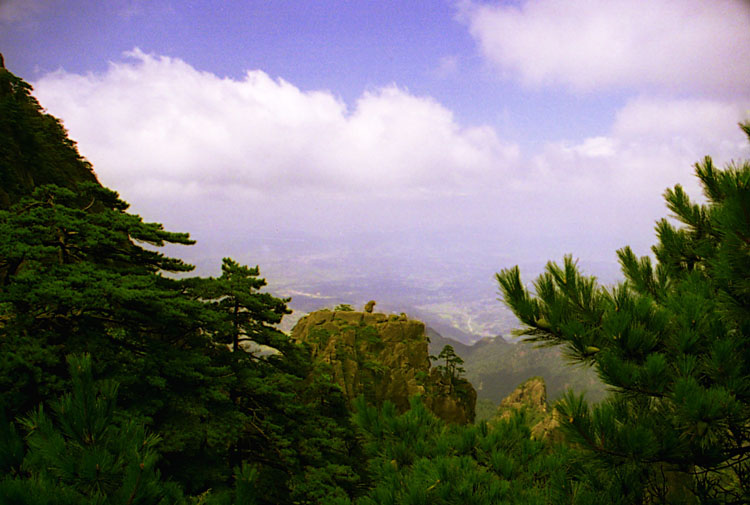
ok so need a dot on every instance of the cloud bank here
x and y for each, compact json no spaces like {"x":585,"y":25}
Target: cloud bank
{"x":667,"y":45}
{"x":160,"y":123}
{"x":229,"y":159}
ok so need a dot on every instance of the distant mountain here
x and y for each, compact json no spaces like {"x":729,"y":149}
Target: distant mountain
{"x":495,"y":367}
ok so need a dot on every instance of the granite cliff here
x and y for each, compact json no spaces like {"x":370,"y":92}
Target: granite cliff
{"x":383,"y":357}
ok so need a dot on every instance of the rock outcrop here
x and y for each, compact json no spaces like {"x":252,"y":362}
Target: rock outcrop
{"x":383,"y":358}
{"x":531,"y":396}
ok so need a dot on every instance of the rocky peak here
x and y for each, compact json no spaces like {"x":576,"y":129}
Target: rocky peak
{"x":383,"y":357}
{"x":531,"y":396}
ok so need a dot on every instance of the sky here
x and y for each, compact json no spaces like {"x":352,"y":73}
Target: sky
{"x":393,"y":136}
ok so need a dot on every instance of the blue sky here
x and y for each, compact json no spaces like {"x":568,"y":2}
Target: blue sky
{"x":480,"y":133}
{"x":342,"y":46}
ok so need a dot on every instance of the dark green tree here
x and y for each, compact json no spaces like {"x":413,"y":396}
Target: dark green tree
{"x":671,"y":342}
{"x":248,"y":316}
{"x":87,"y":451}
{"x":34,"y":147}
{"x":452,"y":369}
{"x":74,"y":279}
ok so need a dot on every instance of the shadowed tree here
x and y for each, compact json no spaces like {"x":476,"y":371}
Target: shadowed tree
{"x":87,"y":452}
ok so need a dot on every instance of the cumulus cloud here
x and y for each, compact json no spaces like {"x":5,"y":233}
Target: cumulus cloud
{"x":220,"y":157}
{"x":603,"y":192}
{"x":160,"y":123}
{"x":655,"y":142}
{"x":693,"y":121}
{"x":686,"y":45}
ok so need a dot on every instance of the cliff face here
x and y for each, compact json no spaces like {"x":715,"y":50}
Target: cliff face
{"x":383,"y":358}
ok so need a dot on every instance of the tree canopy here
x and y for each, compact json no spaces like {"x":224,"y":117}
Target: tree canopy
{"x":451,"y":367}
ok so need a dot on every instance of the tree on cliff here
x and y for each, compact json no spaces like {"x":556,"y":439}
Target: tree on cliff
{"x":452,"y":369}
{"x":672,"y":343}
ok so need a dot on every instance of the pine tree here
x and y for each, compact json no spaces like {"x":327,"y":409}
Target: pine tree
{"x":247,"y":315}
{"x":452,"y":369}
{"x":671,"y":341}
{"x":87,"y":451}
{"x":74,"y":279}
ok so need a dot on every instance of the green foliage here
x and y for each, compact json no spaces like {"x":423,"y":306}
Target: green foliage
{"x":374,"y":366}
{"x":451,"y":369}
{"x":87,"y":452}
{"x":320,"y":335}
{"x":12,"y":448}
{"x":34,"y":147}
{"x":367,"y":333}
{"x":74,"y":280}
{"x":421,"y":377}
{"x":416,"y":458}
{"x":245,"y":314}
{"x":671,"y":342}
{"x":344,"y":307}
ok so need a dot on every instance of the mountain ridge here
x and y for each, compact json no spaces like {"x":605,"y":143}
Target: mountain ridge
{"x":36,"y":149}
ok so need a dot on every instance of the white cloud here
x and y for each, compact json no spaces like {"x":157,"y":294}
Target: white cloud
{"x":226,"y":159}
{"x":159,"y":123}
{"x":608,"y":189}
{"x":596,"y":147}
{"x":694,"y":121}
{"x":685,"y":45}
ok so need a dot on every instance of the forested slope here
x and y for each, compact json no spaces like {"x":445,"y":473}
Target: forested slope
{"x":35,"y":149}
